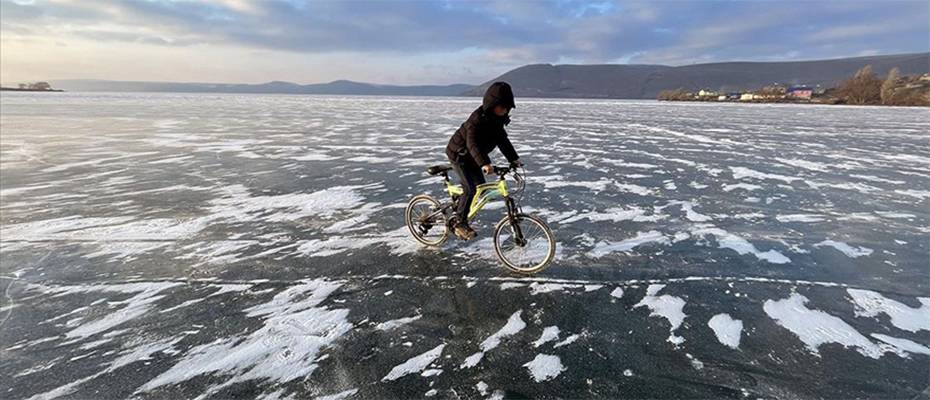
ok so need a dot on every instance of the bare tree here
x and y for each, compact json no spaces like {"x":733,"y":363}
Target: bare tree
{"x":673,"y":95}
{"x":888,"y":86}
{"x":862,"y":88}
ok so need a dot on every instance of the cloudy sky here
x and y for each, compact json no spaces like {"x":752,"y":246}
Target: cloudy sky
{"x":414,"y":42}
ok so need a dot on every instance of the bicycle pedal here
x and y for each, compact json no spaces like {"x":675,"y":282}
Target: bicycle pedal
{"x":465,"y":237}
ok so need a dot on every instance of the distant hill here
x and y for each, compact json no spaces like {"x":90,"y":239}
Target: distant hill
{"x":581,"y":81}
{"x":336,"y":87}
{"x":645,"y":81}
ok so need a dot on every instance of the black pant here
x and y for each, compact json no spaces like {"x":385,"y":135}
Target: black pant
{"x":470,"y":176}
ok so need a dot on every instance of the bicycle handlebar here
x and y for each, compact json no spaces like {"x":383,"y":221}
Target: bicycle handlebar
{"x":503,"y":171}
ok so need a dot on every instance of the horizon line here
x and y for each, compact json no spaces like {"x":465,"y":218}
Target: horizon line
{"x":469,"y":84}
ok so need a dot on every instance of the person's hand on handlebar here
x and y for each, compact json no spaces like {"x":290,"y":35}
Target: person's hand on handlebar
{"x":516,"y":164}
{"x":488,"y":169}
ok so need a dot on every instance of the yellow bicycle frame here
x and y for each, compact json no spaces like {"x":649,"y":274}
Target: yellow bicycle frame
{"x":484,"y":193}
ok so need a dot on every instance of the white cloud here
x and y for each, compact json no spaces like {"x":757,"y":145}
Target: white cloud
{"x":415,"y":43}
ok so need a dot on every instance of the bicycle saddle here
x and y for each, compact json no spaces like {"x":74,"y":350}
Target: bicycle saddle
{"x":438,"y":169}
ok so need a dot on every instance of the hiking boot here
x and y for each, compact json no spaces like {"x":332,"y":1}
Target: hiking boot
{"x":464,"y":232}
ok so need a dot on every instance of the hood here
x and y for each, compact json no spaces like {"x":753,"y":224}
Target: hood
{"x":499,"y":93}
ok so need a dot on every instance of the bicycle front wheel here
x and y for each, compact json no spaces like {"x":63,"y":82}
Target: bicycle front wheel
{"x":525,"y":244}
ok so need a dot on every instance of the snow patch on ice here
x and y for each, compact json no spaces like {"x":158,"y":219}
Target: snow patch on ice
{"x":745,"y":186}
{"x":617,"y":292}
{"x":294,"y":330}
{"x":743,"y":172}
{"x":182,"y":305}
{"x":903,"y":345}
{"x":145,"y":295}
{"x":733,"y":242}
{"x":810,"y":165}
{"x":139,"y":353}
{"x":849,"y":251}
{"x":596,"y":186}
{"x":217,"y":251}
{"x":513,"y":326}
{"x":549,"y":334}
{"x":694,"y":137}
{"x":727,"y":329}
{"x":511,"y":285}
{"x":398,"y":240}
{"x":171,"y":160}
{"x":338,"y":396}
{"x":870,"y":304}
{"x":621,"y":163}
{"x":472,"y":360}
{"x":396,"y":323}
{"x":665,"y":306}
{"x":635,"y":189}
{"x":230,"y":288}
{"x":240,"y":205}
{"x":921,"y":194}
{"x":815,"y":327}
{"x":482,"y":388}
{"x":877,"y":179}
{"x":857,"y":187}
{"x":537,"y":287}
{"x":698,"y":186}
{"x":695,"y":363}
{"x":799,"y":218}
{"x":895,"y":215}
{"x":414,"y":365}
{"x":690,"y":214}
{"x":371,"y":160}
{"x":616,"y":214}
{"x":124,"y":251}
{"x":604,"y":248}
{"x":569,"y":340}
{"x":20,"y":190}
{"x":545,"y":367}
{"x":37,"y":341}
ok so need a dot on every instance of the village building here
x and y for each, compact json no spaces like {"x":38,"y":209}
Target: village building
{"x":800,"y":92}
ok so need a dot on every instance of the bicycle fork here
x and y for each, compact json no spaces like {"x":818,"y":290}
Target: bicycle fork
{"x":512,"y":212}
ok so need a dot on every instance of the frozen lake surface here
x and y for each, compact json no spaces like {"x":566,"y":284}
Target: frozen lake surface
{"x":168,"y":246}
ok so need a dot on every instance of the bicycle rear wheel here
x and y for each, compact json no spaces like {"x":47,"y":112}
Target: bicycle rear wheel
{"x":426,"y":221}
{"x":531,"y":254}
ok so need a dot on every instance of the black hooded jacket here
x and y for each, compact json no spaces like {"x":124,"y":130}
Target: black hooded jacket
{"x":484,"y":130}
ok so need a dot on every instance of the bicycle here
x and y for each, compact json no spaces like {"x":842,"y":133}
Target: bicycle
{"x":523,"y":242}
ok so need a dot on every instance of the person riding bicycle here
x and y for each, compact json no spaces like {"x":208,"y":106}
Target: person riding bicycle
{"x":469,"y":147}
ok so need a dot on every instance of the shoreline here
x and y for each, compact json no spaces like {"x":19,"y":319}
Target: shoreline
{"x":820,"y":103}
{"x":8,"y":89}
